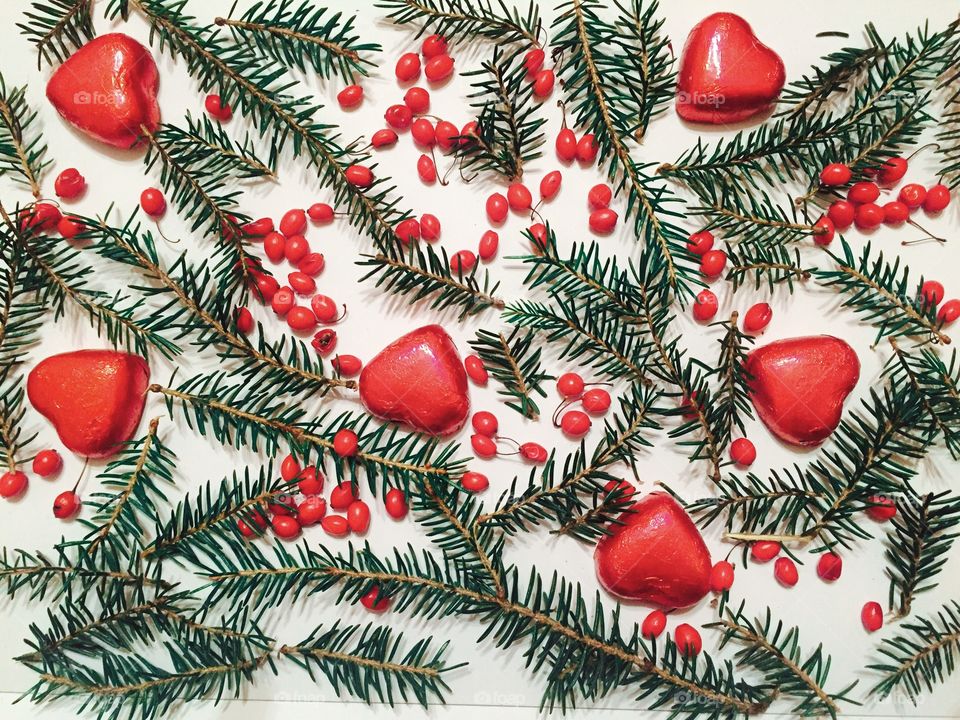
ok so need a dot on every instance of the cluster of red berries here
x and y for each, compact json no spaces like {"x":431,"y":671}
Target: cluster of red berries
{"x":686,"y":637}
{"x":45,"y":217}
{"x":46,"y":464}
{"x":484,"y":442}
{"x":595,"y":401}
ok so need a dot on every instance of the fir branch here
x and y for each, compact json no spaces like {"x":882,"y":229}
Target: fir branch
{"x":730,"y":402}
{"x":917,"y":545}
{"x":206,"y":148}
{"x":302,"y":36}
{"x":949,"y":135}
{"x":21,"y":314}
{"x":466,"y":19}
{"x":22,"y":150}
{"x":606,"y":76}
{"x":57,"y":27}
{"x":12,"y":411}
{"x":509,"y":128}
{"x":882,"y":293}
{"x":421,"y":273}
{"x":922,"y":656}
{"x":514,"y":362}
{"x":369,"y":663}
{"x":769,"y":265}
{"x":774,"y":651}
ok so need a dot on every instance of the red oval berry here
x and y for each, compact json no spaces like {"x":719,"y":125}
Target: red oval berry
{"x":596,"y":401}
{"x":69,"y":184}
{"x":485,"y":423}
{"x":474,"y":482}
{"x":293,"y":222}
{"x":654,"y":624}
{"x":302,"y":283}
{"x":438,"y":68}
{"x":841,"y":213}
{"x":447,"y":134}
{"x":938,"y":197}
{"x":433,"y":45}
{"x":705,"y":306}
{"x":829,"y":566}
{"x":359,"y":176}
{"x":44,"y":216}
{"x":489,"y":243}
{"x":350,"y":96}
{"x":408,"y":230}
{"x":153,"y":202}
{"x":497,"y":208}
{"x":538,"y":235}
{"x":835,"y":174}
{"x":871,"y":616}
{"x":587,"y":149}
{"x":343,"y":495}
{"x":324,"y":342}
{"x":374,"y":601}
{"x":476,"y":370}
{"x":311,"y":265}
{"x":743,"y":452}
{"x":274,"y":247}
{"x":868,"y":216}
{"x":575,"y":423}
{"x":764,"y":550}
{"x":358,"y":517}
{"x":384,"y":138}
{"x":423,"y":133}
{"x":217,"y":109}
{"x":66,"y":505}
{"x":712,"y":263}
{"x":757,"y":317}
{"x":895,"y":213}
{"x":335,"y":525}
{"x":534,"y":452}
{"x":785,"y":571}
{"x":892,"y":171}
{"x":483,"y":446}
{"x":932,"y":293}
{"x":823,"y":230}
{"x":47,"y":463}
{"x":289,"y":468}
{"x":69,"y":226}
{"x":309,"y":481}
{"x":603,"y":220}
{"x":396,"y":504}
{"x":325,"y":308}
{"x":949,"y":312}
{"x":912,"y":195}
{"x":881,"y":508}
{"x":258,"y":228}
{"x":863,"y":192}
{"x":468,"y":132}
{"x":285,"y":526}
{"x":570,"y":385}
{"x":301,"y":319}
{"x":463,"y":261}
{"x":533,"y":60}
{"x":283,"y":301}
{"x":408,"y":67}
{"x":566,"y":145}
{"x":345,"y":443}
{"x":347,"y":365}
{"x":543,"y":83}
{"x":398,"y":117}
{"x":688,"y":640}
{"x":311,"y":510}
{"x":550,"y":185}
{"x":12,"y":484}
{"x":599,"y":196}
{"x":700,"y":243}
{"x":519,"y":197}
{"x":265,"y":286}
{"x":721,"y":576}
{"x":429,"y":227}
{"x":417,"y":99}
{"x":427,"y":169}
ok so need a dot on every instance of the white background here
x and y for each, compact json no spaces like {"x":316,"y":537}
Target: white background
{"x":826,"y":613}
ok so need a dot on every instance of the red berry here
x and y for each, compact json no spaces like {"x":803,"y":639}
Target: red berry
{"x":289,"y":468}
{"x":570,"y":385}
{"x":245,"y":529}
{"x":347,"y":365}
{"x":700,"y":243}
{"x":705,"y":306}
{"x":881,"y":508}
{"x":587,"y":149}
{"x":335,"y":525}
{"x":301,"y":319}
{"x":343,"y":495}
{"x":603,"y":221}
{"x":764,"y":550}
{"x":12,"y":484}
{"x":325,"y":308}
{"x":66,"y":504}
{"x":483,"y":446}
{"x":743,"y":452}
{"x":474,"y":482}
{"x":398,"y":117}
{"x":841,"y":213}
{"x":216,"y":108}
{"x":423,"y":133}
{"x":408,"y":67}
{"x":868,"y":216}
{"x":599,"y":196}
{"x":653,"y":624}
{"x":550,"y":185}
{"x":69,"y":226}
{"x":785,"y":571}
{"x":895,"y":213}
{"x":823,"y":230}
{"x":863,"y":192}
{"x":408,"y":230}
{"x":519,"y":197}
{"x":427,"y":169}
{"x":258,"y":228}
{"x":596,"y":401}
{"x":312,"y":264}
{"x":485,"y":423}
{"x":912,"y":195}
{"x":447,"y":134}
{"x":358,"y":517}
{"x":345,"y":443}
{"x":932,"y":293}
{"x":47,"y":463}
{"x":311,"y":510}
{"x":429,"y":227}
{"x":396,"y":504}
{"x":476,"y":370}
{"x":283,"y":301}
{"x":712,"y":263}
{"x":489,"y":243}
{"x":153,"y":202}
{"x":829,"y":566}
{"x":285,"y":526}
{"x":566,"y":145}
{"x":265,"y":286}
{"x":463,"y":261}
{"x":938,"y":197}
{"x":533,"y":60}
{"x":721,"y":576}
{"x":872,"y":616}
{"x":324,"y":342}
{"x":417,"y":99}
{"x":350,"y":96}
{"x":468,"y":132}
{"x":835,"y":174}
{"x":43,"y":217}
{"x":892,"y":171}
{"x":688,"y":640}
{"x":302,"y":283}
{"x":538,"y":233}
{"x":497,"y":208}
{"x":433,"y":45}
{"x":359,"y":176}
{"x":543,"y":83}
{"x":374,"y":601}
{"x":293,"y":222}
{"x":384,"y":138}
{"x":438,"y":68}
{"x":296,"y":249}
{"x":949,"y":312}
{"x":274,"y":247}
{"x":310,"y":481}
{"x":534,"y":452}
{"x":575,"y":423}
{"x":757,"y":317}
{"x":69,"y":184}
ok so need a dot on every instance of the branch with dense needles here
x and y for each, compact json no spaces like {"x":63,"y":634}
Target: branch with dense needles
{"x":57,"y":27}
{"x":514,"y":362}
{"x":21,"y":313}
{"x":13,"y":440}
{"x":22,"y":150}
{"x":770,"y":265}
{"x":465,"y":20}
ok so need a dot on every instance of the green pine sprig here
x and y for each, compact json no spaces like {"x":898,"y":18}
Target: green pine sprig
{"x":21,"y":314}
{"x":771,"y":265}
{"x":57,"y":27}
{"x":302,"y":36}
{"x":730,"y":405}
{"x":464,"y":20}
{"x":22,"y":149}
{"x":514,"y":362}
{"x":13,"y":440}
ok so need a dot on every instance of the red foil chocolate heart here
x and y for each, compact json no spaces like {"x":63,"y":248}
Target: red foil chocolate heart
{"x":726,"y":73}
{"x":656,"y":556}
{"x":418,"y":380}
{"x":108,"y":89}
{"x":94,"y":398}
{"x":798,"y":386}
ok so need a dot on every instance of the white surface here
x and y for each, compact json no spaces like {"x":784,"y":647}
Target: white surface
{"x":826,"y":613}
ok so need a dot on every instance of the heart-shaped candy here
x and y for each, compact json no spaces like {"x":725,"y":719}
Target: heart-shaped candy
{"x":656,"y":556}
{"x":108,"y":89}
{"x":798,"y":386}
{"x":94,"y":398}
{"x":726,"y":73}
{"x":418,"y":380}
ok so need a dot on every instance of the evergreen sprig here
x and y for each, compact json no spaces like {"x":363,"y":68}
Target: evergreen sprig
{"x":730,"y":404}
{"x":21,"y":314}
{"x":460,"y":20}
{"x":773,"y":650}
{"x":371,"y":663}
{"x":22,"y":149}
{"x":771,"y":265}
{"x":918,"y":543}
{"x":923,"y":655}
{"x":514,"y":362}
{"x":57,"y":27}
{"x":509,"y":130}
{"x":303,"y":36}
{"x":12,"y":411}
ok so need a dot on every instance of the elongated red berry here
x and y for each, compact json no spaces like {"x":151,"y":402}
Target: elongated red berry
{"x":47,"y":463}
{"x":881,"y":508}
{"x":395,"y":502}
{"x":712,"y":263}
{"x":895,"y":213}
{"x":489,"y":244}
{"x":550,"y":185}
{"x":519,"y":197}
{"x":485,"y":423}
{"x":350,"y":96}
{"x":653,"y":624}
{"x":311,"y":510}
{"x":721,"y":576}
{"x":474,"y":482}
{"x":335,"y":525}
{"x":599,"y":196}
{"x":345,"y":443}
{"x":153,"y":202}
{"x":932,"y":292}
{"x":596,"y":401}
{"x":285,"y":526}
{"x":688,"y":640}
{"x":785,"y":571}
{"x":384,"y":138}
{"x":399,"y":117}
{"x":872,"y":616}
{"x":283,"y":301}
{"x":217,"y":109}
{"x":423,"y":133}
{"x":374,"y":601}
{"x":463,"y":261}
{"x":823,"y":230}
{"x":483,"y":446}
{"x":533,"y":60}
{"x":496,"y":207}
{"x":949,"y":312}
{"x":570,"y":385}
{"x":841,"y":213}
{"x":868,"y":216}
{"x":447,"y":134}
{"x":700,"y":243}
{"x":66,"y":505}
{"x":575,"y":423}
{"x":417,"y":99}
{"x":863,"y":191}
{"x":566,"y":145}
{"x":427,"y":169}
{"x":343,"y":495}
{"x":764,"y":550}
{"x":603,"y":221}
{"x":69,"y":184}
{"x":408,"y":67}
{"x":587,"y":149}
{"x":438,"y":68}
{"x":892,"y":171}
{"x":12,"y":484}
{"x":835,"y":174}
{"x":359,"y":176}
{"x":347,"y":365}
{"x":429,"y":227}
{"x":358,"y":517}
{"x":301,"y":319}
{"x":757,"y":318}
{"x":534,"y":452}
{"x":937,"y":199}
{"x":912,"y":195}
{"x":829,"y":566}
{"x":433,"y":45}
{"x":543,"y":83}
{"x":476,"y":370}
